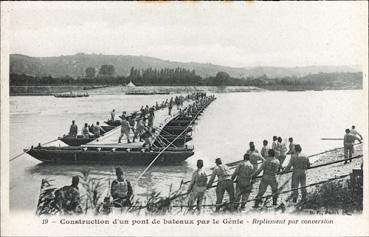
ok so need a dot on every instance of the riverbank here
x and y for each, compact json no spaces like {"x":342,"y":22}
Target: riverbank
{"x":48,"y":90}
{"x":105,"y":89}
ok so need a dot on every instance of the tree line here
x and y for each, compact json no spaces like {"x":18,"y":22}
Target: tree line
{"x":105,"y":75}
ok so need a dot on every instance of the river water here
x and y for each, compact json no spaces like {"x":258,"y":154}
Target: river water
{"x":224,"y":130}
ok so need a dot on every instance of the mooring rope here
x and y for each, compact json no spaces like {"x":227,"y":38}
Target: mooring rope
{"x":19,"y":155}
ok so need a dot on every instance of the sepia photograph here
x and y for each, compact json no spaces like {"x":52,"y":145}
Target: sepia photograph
{"x":184,"y":118}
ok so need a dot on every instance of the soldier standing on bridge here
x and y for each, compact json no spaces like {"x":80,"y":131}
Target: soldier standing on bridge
{"x":300,"y":163}
{"x":125,"y":128}
{"x":270,"y":168}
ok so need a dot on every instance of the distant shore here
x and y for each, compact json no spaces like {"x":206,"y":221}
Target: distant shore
{"x":106,"y":89}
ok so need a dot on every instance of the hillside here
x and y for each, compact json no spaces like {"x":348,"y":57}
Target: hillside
{"x":75,"y":65}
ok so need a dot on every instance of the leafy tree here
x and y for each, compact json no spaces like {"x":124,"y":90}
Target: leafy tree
{"x":106,"y":70}
{"x":90,"y":72}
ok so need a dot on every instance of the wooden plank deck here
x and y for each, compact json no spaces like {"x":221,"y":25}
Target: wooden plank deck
{"x":110,"y":139}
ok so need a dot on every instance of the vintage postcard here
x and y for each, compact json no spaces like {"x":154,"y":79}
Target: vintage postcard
{"x":184,"y":118}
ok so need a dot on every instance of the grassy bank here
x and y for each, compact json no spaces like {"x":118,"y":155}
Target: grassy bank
{"x":48,"y":90}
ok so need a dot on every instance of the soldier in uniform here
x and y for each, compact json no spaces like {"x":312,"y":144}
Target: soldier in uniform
{"x":300,"y":163}
{"x":121,"y":190}
{"x":243,"y":173}
{"x":125,"y":128}
{"x":197,"y":186}
{"x":225,"y":183}
{"x":68,"y":198}
{"x":139,"y":129}
{"x":281,"y":151}
{"x":264,"y":149}
{"x":73,"y":129}
{"x":270,"y":168}
{"x":97,"y":130}
{"x":252,"y":148}
{"x":291,"y":147}
{"x":85,"y":131}
{"x":348,"y":144}
{"x":112,"y":114}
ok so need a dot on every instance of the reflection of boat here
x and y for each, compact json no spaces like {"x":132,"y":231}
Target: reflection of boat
{"x":109,"y":155}
{"x":71,"y":95}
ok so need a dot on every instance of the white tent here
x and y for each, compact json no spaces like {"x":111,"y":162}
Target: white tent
{"x":130,"y":84}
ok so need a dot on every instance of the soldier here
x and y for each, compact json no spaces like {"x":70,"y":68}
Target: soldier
{"x":139,"y":129}
{"x":275,"y":146}
{"x":348,"y":145}
{"x":300,"y":163}
{"x":125,"y":128}
{"x":355,"y":133}
{"x":270,"y":168}
{"x":67,"y":198}
{"x":291,"y":147}
{"x":252,"y":148}
{"x":97,"y":130}
{"x":264,"y":149}
{"x":254,"y":159}
{"x":131,"y":122}
{"x":112,"y":114}
{"x":243,"y":173}
{"x":121,"y":190}
{"x":73,"y":129}
{"x":225,"y":183}
{"x":197,"y":186}
{"x":85,"y":131}
{"x":281,"y":148}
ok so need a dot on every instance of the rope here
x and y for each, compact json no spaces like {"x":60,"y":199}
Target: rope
{"x":263,"y":197}
{"x":25,"y":151}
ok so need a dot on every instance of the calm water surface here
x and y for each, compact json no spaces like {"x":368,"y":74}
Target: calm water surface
{"x":224,"y":130}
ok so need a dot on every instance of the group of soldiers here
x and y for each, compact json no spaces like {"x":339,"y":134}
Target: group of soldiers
{"x":67,"y":198}
{"x":245,"y":173}
{"x":86,"y":130}
{"x":269,"y":160}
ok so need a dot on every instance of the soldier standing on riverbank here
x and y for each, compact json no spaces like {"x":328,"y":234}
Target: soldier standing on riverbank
{"x":225,"y":183}
{"x":121,"y":190}
{"x":291,"y":147}
{"x":299,"y":163}
{"x":270,"y":168}
{"x":264,"y":149}
{"x":67,"y":198}
{"x":243,"y":173}
{"x":197,"y":186}
{"x":348,"y":145}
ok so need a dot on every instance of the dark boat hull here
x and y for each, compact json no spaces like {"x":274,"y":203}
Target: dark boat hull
{"x":74,"y":141}
{"x":175,"y":130}
{"x":79,"y":156}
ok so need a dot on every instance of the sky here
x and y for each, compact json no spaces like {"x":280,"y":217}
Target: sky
{"x":238,"y":34}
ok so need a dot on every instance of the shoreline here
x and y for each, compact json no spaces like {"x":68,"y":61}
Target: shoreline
{"x":51,"y":90}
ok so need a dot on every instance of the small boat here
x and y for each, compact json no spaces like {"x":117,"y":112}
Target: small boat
{"x":109,"y":155}
{"x":71,"y":95}
{"x":76,"y":141}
